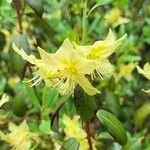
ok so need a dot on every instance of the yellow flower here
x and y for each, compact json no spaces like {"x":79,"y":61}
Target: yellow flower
{"x":114,"y":17}
{"x":63,"y":69}
{"x":100,"y":51}
{"x":73,"y":130}
{"x":125,"y":71}
{"x":74,"y":68}
{"x":145,"y":71}
{"x":4,"y":99}
{"x":20,"y":138}
{"x":13,"y":81}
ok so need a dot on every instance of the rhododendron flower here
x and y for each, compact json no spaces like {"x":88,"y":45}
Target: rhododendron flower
{"x":73,"y":130}
{"x":114,"y":17}
{"x":63,"y":69}
{"x":100,"y":51}
{"x":146,"y":72}
{"x":20,"y":138}
{"x":125,"y":71}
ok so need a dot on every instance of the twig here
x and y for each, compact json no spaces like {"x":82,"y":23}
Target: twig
{"x":84,"y":23}
{"x":88,"y":131}
{"x":19,"y":14}
{"x":23,"y":6}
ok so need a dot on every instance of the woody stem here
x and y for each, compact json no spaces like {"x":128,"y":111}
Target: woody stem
{"x":88,"y":131}
{"x":19,"y":14}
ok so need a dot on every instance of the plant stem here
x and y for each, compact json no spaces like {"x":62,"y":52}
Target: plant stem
{"x":88,"y":131}
{"x":19,"y":15}
{"x":84,"y":23}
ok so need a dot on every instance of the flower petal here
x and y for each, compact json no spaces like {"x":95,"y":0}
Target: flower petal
{"x":30,"y":58}
{"x":86,"y":85}
{"x":145,"y":71}
{"x":49,"y":59}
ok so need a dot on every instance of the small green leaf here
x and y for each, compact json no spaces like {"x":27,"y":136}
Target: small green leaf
{"x":133,"y":144}
{"x":33,"y":126}
{"x":18,"y":102}
{"x":50,"y":97}
{"x":44,"y":127}
{"x":141,"y":115}
{"x":37,"y":6}
{"x":85,"y":104}
{"x":71,"y":144}
{"x":113,"y":126}
{"x":100,"y":3}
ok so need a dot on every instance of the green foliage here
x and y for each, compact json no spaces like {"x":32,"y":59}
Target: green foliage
{"x":71,"y":144}
{"x":37,"y":6}
{"x":113,"y":125}
{"x":46,"y":24}
{"x":141,"y":114}
{"x":85,"y":104}
{"x":16,"y":60}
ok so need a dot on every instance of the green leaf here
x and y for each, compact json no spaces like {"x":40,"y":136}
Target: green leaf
{"x":2,"y":85}
{"x":85,"y":104}
{"x":33,"y":126}
{"x":50,"y":97}
{"x":100,"y":3}
{"x":44,"y":127}
{"x":33,"y":97}
{"x":112,"y":103}
{"x":37,"y":6}
{"x":18,"y":105}
{"x":113,"y":126}
{"x":141,"y":114}
{"x":133,"y":144}
{"x":17,"y":64}
{"x":44,"y":26}
{"x":71,"y":144}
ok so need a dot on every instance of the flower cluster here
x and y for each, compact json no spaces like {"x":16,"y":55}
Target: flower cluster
{"x":71,"y":64}
{"x":72,"y":129}
{"x":145,"y":72}
{"x":115,"y":18}
{"x":19,"y":137}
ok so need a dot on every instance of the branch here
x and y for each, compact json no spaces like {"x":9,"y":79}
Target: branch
{"x":88,"y":131}
{"x":19,"y":14}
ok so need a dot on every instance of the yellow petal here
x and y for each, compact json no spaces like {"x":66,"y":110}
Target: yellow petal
{"x":66,"y":49}
{"x":146,"y":91}
{"x":82,"y":50}
{"x":103,"y":49}
{"x":84,"y":145}
{"x":86,"y":85}
{"x":73,"y":129}
{"x":49,"y":59}
{"x":121,"y":21}
{"x":30,"y":58}
{"x":145,"y":71}
{"x":110,"y":37}
{"x":105,"y":67}
{"x":119,"y":41}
